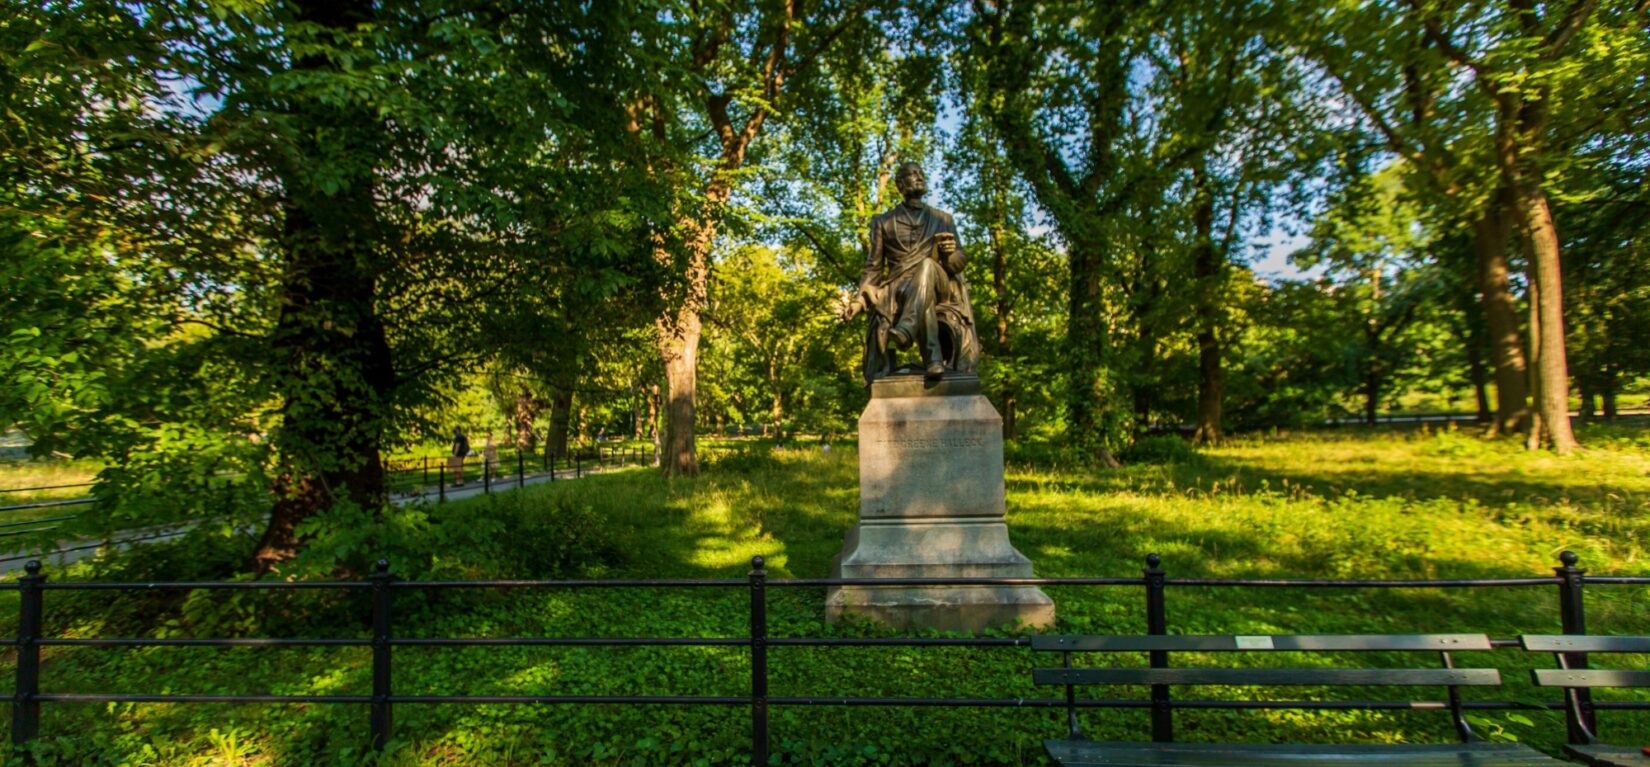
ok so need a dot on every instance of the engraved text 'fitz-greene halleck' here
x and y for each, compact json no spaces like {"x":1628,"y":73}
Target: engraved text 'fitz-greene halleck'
{"x":934,"y":444}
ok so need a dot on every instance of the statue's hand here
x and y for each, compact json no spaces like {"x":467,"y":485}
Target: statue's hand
{"x":945,"y":244}
{"x":849,"y":305}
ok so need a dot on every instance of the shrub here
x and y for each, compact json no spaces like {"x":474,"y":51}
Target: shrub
{"x":1163,"y":448}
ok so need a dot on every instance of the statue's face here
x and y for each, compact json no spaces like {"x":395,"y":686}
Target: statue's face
{"x":911,"y":181}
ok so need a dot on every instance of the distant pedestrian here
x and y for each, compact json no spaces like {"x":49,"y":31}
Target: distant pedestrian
{"x":461,"y":448}
{"x":489,"y":453}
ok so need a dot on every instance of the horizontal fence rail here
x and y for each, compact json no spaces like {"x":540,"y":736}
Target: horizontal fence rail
{"x":404,"y":478}
{"x":382,"y":585}
{"x":439,"y":475}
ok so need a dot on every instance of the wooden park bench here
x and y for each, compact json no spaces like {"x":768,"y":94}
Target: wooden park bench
{"x":1584,"y":745}
{"x":1079,"y":752}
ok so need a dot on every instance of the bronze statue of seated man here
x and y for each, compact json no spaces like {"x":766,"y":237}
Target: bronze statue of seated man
{"x":913,"y":288}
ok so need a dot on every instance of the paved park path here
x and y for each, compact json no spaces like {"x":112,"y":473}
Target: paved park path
{"x":69,"y":552}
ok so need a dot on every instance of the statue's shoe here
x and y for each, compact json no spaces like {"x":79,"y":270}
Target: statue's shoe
{"x":934,"y":371}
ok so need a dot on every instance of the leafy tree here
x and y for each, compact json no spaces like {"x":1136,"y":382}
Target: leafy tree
{"x":1052,"y":79}
{"x":1014,"y":276}
{"x":730,"y":67}
{"x":1407,"y":99}
{"x":1374,"y":242}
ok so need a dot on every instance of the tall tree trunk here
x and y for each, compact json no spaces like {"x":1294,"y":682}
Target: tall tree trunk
{"x":1206,"y":269}
{"x":1087,"y":391}
{"x":776,"y":409}
{"x":637,"y":396}
{"x":654,"y":398}
{"x":1552,"y":369}
{"x":1143,"y":384}
{"x":561,"y":415}
{"x":1492,"y":230}
{"x":526,"y":411}
{"x":1372,"y":397}
{"x":1608,"y":393}
{"x":334,"y":361}
{"x":1480,"y":379}
{"x":1537,"y":430}
{"x":679,"y":334}
{"x":1589,"y":400}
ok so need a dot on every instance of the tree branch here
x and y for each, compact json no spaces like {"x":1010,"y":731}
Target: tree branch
{"x":807,"y":60}
{"x":1573,"y":21}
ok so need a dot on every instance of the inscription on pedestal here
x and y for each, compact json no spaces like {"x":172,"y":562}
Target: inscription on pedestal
{"x":930,"y":457}
{"x":933,"y":444}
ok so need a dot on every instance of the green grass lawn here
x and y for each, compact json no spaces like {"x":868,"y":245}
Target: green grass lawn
{"x":1338,"y":504}
{"x":21,"y":478}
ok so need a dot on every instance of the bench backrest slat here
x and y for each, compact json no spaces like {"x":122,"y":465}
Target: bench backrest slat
{"x":1277,"y":643}
{"x":1576,"y":643}
{"x":1373,"y":677}
{"x":1598,"y":677}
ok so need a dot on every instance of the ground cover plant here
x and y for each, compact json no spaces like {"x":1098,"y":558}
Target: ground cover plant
{"x":1334,"y":504}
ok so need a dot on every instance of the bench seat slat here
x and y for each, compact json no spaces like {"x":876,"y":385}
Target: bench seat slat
{"x":1601,"y":755}
{"x":1562,"y":643}
{"x":1598,"y":677}
{"x":1374,"y":677}
{"x":1278,"y":643}
{"x":1081,"y":753}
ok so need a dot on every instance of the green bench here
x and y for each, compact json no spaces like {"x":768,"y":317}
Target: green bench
{"x":1076,"y":751}
{"x":1587,"y":747}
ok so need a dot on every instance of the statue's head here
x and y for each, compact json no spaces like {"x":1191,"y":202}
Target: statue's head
{"x":910,"y":180}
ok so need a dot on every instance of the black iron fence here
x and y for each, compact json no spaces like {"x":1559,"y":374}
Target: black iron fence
{"x":27,"y":698}
{"x":415,"y":477}
{"x":439,"y":474}
{"x":45,"y":508}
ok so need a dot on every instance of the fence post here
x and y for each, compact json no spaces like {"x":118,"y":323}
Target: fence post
{"x":521,"y":471}
{"x":1574,"y":617}
{"x":578,"y":465}
{"x":1157,"y":624}
{"x":486,"y":477}
{"x":552,"y":456}
{"x":25,"y":709}
{"x":441,"y":475}
{"x":426,"y":470}
{"x":381,"y":716}
{"x":759,"y":662}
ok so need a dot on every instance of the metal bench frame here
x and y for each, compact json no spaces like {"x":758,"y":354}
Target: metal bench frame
{"x":1159,"y":677}
{"x":1576,"y":679}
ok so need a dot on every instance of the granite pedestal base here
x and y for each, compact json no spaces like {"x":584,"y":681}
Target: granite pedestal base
{"x":932,"y":506}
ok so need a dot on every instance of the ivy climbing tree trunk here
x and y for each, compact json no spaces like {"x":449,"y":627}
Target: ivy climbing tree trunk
{"x":1206,"y":270}
{"x":335,"y":372}
{"x":1080,"y":193}
{"x":561,"y":415}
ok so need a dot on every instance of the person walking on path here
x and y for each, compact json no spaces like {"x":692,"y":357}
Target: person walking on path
{"x":461,"y":448}
{"x":489,"y":453}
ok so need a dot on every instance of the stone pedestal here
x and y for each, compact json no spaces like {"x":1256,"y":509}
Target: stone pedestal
{"x":930,"y":506}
